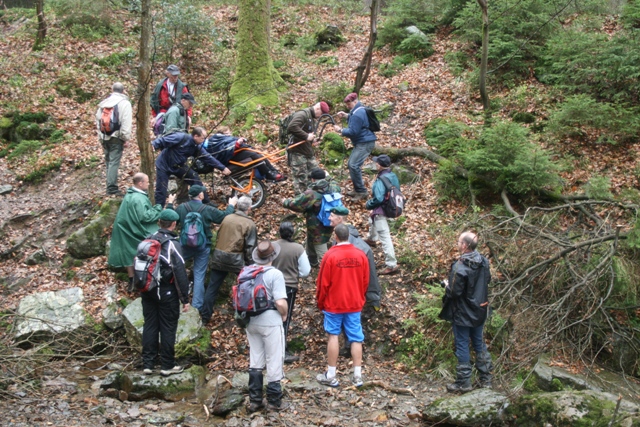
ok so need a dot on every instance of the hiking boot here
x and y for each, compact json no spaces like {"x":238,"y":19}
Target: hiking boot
{"x":484,"y":367}
{"x":175,"y":370}
{"x":278,"y":407}
{"x":463,"y":379}
{"x":331,"y":382}
{"x":290,"y":358}
{"x":257,"y":406}
{"x":147,"y":371}
{"x":359,"y":196}
{"x":388,"y":270}
{"x":371,"y":243}
{"x":116,"y":194}
{"x":357,"y":381}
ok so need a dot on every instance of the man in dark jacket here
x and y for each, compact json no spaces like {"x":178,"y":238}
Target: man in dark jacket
{"x":363,"y":140}
{"x":176,"y":150}
{"x":161,"y":305}
{"x":302,"y":158}
{"x":466,"y":306}
{"x":200,"y":255}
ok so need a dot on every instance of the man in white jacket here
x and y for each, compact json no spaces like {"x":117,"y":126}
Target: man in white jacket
{"x":113,"y":122}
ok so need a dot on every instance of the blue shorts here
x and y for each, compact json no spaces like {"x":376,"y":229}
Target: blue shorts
{"x":333,"y":323}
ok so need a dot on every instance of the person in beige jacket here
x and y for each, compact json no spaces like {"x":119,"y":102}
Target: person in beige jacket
{"x":119,"y":114}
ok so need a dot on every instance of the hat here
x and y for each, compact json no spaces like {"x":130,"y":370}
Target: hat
{"x":189,"y":97}
{"x":324,"y":107}
{"x":351,"y":97}
{"x":195,"y":190}
{"x":383,"y":160}
{"x":265,"y":252}
{"x":317,"y":173}
{"x":173,"y":70}
{"x":169,"y":215}
{"x":339,"y":210}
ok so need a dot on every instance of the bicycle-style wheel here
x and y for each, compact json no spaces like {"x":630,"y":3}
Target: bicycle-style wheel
{"x":257,"y":192}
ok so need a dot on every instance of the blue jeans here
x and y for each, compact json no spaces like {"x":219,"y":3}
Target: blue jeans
{"x":112,"y":148}
{"x":200,"y":257}
{"x":359,"y":154}
{"x":216,"y":277}
{"x":462,"y":335}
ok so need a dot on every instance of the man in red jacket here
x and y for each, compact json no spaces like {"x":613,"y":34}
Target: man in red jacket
{"x":340,"y":293}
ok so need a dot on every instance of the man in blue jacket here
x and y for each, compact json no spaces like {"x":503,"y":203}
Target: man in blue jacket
{"x":379,"y":227}
{"x":176,"y":150}
{"x":363,"y":140}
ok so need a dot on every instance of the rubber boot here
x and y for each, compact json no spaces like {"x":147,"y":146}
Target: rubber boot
{"x":463,"y":380}
{"x":274,"y":396}
{"x":255,"y":390}
{"x":484,"y":367}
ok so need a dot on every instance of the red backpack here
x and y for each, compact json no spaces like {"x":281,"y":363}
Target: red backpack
{"x":147,"y":264}
{"x":250,"y":296}
{"x":109,"y":120}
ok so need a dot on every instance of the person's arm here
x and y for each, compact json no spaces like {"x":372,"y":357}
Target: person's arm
{"x":208,"y":159}
{"x":355,"y":125}
{"x":458,"y":282}
{"x":282,"y":307}
{"x":216,"y":215}
{"x":378,"y":191}
{"x":304,"y":267}
{"x":126,"y":115}
{"x":322,"y":284}
{"x":250,"y":242}
{"x":296,"y":128}
{"x":301,"y":202}
{"x":146,"y":213}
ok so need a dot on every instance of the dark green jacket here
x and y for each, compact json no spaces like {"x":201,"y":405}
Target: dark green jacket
{"x":209,"y":215}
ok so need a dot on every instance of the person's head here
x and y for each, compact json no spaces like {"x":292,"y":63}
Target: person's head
{"x":117,"y":87}
{"x":351,"y":100}
{"x":467,"y":242}
{"x":172,"y":73}
{"x":287,"y":230}
{"x":320,"y":108}
{"x":141,"y":181}
{"x":187,"y":100}
{"x":244,"y":204}
{"x":342,"y":233}
{"x":168,"y":218}
{"x":338,"y":215}
{"x":317,"y":174}
{"x":382,"y":161}
{"x":196,"y":192}
{"x":199,"y":134}
{"x":265,"y":252}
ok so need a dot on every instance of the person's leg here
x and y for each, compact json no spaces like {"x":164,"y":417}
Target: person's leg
{"x":115,"y":147}
{"x":483,"y":363}
{"x":354,"y":334}
{"x":169,"y":313}
{"x":311,"y":251}
{"x":461,"y":335}
{"x":320,"y":250}
{"x":356,"y":160}
{"x":190,"y":177}
{"x":333,"y":347}
{"x":274,"y":345}
{"x":216,"y":277}
{"x":200,"y":261}
{"x":257,"y":363}
{"x":373,"y":234}
{"x":291,"y":299}
{"x":384,"y":234}
{"x":299,"y":172}
{"x":150,"y":331}
{"x":162,"y":184}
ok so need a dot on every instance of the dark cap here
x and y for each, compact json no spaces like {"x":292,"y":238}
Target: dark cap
{"x":195,"y":190}
{"x":317,"y":173}
{"x":383,"y":160}
{"x":169,"y":215}
{"x":173,"y":70}
{"x":189,"y":97}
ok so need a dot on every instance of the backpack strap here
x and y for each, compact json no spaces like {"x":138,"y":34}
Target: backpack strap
{"x":387,"y":183}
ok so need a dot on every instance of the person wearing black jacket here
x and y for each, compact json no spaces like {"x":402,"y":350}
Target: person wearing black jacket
{"x":466,"y":306}
{"x":161,"y":305}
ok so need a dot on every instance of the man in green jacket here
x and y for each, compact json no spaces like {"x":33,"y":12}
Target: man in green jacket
{"x":200,"y":255}
{"x":176,"y":119}
{"x":136,"y":219}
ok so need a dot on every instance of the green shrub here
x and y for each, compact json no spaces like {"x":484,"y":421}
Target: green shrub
{"x":447,"y":136}
{"x":397,"y":64}
{"x":334,"y":93}
{"x":25,"y":147}
{"x":631,"y":15}
{"x":41,"y":169}
{"x":400,"y":14}
{"x":88,"y":20}
{"x":598,"y":187}
{"x":182,"y":28}
{"x":417,"y":45}
{"x":116,"y":59}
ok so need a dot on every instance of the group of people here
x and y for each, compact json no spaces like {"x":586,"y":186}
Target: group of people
{"x":347,"y":278}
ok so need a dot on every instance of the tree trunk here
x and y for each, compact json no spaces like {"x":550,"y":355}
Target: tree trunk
{"x":484,"y":58}
{"x":143,"y":95}
{"x":42,"y":25}
{"x":364,"y":68}
{"x":256,"y":80}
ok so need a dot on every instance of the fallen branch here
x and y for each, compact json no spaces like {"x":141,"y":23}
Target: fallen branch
{"x":383,"y":385}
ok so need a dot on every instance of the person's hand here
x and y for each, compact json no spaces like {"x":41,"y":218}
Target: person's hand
{"x":342,"y":114}
{"x":171,"y":198}
{"x":233,"y":201}
{"x":311,"y":137}
{"x":226,"y":172}
{"x":242,"y":140}
{"x":337,"y":128}
{"x":185,"y":308}
{"x":316,"y":143}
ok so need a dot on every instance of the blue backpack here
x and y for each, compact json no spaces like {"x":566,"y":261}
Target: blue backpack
{"x":192,"y":233}
{"x":329,"y":201}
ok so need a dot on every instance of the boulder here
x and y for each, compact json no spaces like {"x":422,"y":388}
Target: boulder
{"x":229,"y":401}
{"x":137,"y":386}
{"x":189,"y":326}
{"x":111,"y":315}
{"x":6,"y":189}
{"x":479,"y":407}
{"x":328,"y":37}
{"x":90,"y":241}
{"x":47,"y":315}
{"x":570,"y":408}
{"x":38,"y":257}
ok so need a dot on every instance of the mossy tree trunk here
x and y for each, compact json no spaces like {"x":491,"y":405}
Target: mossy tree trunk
{"x":484,"y":58}
{"x":42,"y":25}
{"x":143,"y":95}
{"x":256,"y":80}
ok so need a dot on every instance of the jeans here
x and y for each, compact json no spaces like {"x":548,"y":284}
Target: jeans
{"x":113,"y":148}
{"x":200,"y":257}
{"x":189,"y":176}
{"x":462,"y":335}
{"x":379,"y":230}
{"x":356,"y":160}
{"x":161,"y":316}
{"x":216,"y":277}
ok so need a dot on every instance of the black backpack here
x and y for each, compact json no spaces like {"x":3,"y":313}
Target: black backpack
{"x":394,"y":200}
{"x":284,"y":138}
{"x":374,"y":123}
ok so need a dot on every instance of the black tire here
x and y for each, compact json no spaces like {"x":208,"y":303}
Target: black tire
{"x":258,"y":192}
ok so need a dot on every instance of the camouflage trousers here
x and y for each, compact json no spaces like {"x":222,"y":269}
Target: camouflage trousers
{"x":300,"y":167}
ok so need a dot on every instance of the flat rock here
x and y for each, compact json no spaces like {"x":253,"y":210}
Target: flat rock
{"x":479,"y":407}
